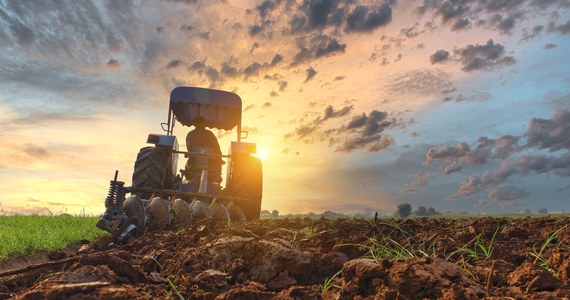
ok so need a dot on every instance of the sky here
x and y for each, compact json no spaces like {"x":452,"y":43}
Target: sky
{"x":354,"y":105}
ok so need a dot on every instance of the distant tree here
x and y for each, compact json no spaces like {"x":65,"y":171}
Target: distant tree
{"x":432,"y":212}
{"x":543,"y":211}
{"x":421,"y":211}
{"x":404,"y":210}
{"x":329,"y":215}
{"x":275,"y":214}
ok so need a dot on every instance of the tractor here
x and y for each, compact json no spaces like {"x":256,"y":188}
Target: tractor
{"x":161,"y":196}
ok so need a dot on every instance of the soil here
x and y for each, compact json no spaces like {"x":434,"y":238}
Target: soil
{"x":423,"y":258}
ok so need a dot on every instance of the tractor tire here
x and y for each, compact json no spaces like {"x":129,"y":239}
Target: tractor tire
{"x":134,"y":207}
{"x":153,"y":170}
{"x":247,"y":182}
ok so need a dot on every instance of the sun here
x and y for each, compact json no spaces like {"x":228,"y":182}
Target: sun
{"x":262,"y":153}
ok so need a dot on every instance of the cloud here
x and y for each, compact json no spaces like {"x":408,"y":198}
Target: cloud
{"x":113,"y":63}
{"x":550,"y":46}
{"x":505,"y":196}
{"x":542,"y":134}
{"x":540,"y":163}
{"x":552,"y":134}
{"x":454,"y":157}
{"x":365,"y":132}
{"x":317,"y":47}
{"x":419,"y":82}
{"x":305,"y":130}
{"x":439,"y":56}
{"x":483,"y":57}
{"x":174,"y":63}
{"x":560,"y":29}
{"x":35,"y":151}
{"x":536,"y":30}
{"x":477,"y":183}
{"x":276,"y":59}
{"x":311,"y":72}
{"x":459,"y":24}
{"x":364,"y":19}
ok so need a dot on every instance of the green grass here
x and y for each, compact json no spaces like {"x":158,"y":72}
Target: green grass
{"x":25,"y":235}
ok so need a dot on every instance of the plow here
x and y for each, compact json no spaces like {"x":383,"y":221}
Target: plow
{"x":161,"y":196}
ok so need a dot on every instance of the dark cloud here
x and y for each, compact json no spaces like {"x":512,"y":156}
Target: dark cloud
{"x":205,"y":35}
{"x":540,"y":163}
{"x":252,"y":69}
{"x":372,"y":143}
{"x":363,"y":19}
{"x":267,"y":105}
{"x":317,"y":47}
{"x":35,"y":151}
{"x":411,"y":32}
{"x":328,"y":48}
{"x":505,"y":196}
{"x":273,"y":94}
{"x":337,"y":78}
{"x":317,"y":14}
{"x":483,"y":57}
{"x":550,"y":46}
{"x":186,"y":27}
{"x":276,"y":59}
{"x":228,"y":70}
{"x":254,"y":30}
{"x":282,"y":85}
{"x":321,"y":15}
{"x":113,"y":63}
{"x":311,"y":72}
{"x":454,"y":157}
{"x":23,"y":34}
{"x":552,"y":134}
{"x":330,"y":112}
{"x":174,"y":63}
{"x":266,"y":7}
{"x":365,"y":132}
{"x":503,"y":15}
{"x":505,"y":24}
{"x":536,"y":30}
{"x":439,"y":56}
{"x":560,"y":29}
{"x":459,"y":24}
{"x":305,"y":130}
{"x":477,"y":183}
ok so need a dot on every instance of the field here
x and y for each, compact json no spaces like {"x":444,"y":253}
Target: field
{"x":433,"y":258}
{"x":21,"y":235}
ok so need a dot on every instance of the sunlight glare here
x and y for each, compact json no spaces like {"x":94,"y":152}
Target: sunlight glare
{"x":262,"y":153}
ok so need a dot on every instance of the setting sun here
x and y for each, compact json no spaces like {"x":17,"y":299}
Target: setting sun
{"x":262,"y":153}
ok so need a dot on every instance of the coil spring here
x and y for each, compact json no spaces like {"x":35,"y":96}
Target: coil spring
{"x":112,"y":195}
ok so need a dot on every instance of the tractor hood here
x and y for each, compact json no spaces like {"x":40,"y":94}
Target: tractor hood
{"x":220,"y":109}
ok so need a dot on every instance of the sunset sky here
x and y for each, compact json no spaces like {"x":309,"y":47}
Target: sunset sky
{"x":358,"y":105}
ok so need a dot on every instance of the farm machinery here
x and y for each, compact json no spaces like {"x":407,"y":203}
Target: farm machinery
{"x":160,"y":196}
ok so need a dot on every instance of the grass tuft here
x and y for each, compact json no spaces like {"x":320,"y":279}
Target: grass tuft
{"x":25,"y":235}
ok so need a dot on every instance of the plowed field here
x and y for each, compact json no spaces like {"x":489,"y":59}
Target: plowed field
{"x":425,"y":258}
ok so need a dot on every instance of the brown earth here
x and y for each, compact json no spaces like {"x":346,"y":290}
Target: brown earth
{"x":424,"y":258}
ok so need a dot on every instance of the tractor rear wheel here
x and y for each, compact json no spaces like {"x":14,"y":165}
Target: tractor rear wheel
{"x":153,"y":169}
{"x":247,"y":182}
